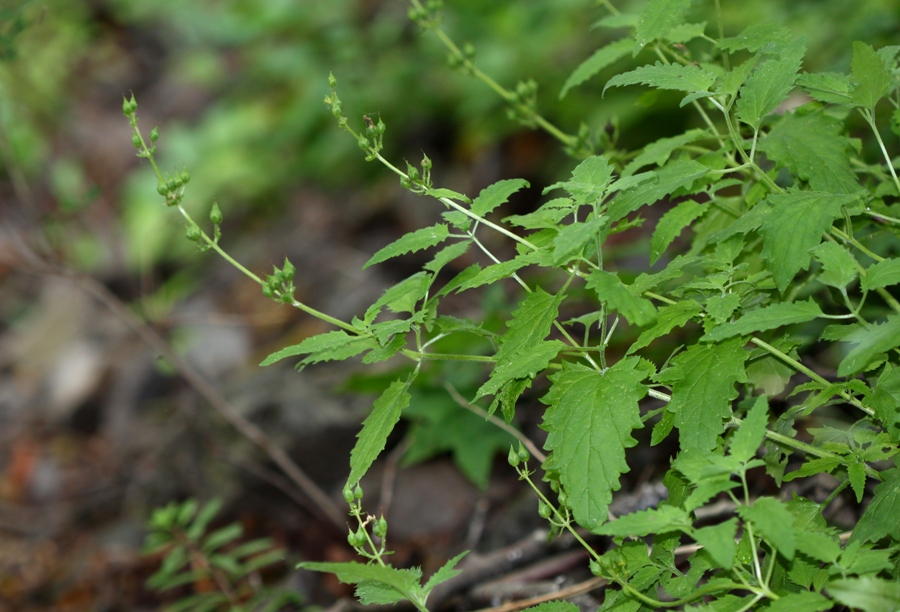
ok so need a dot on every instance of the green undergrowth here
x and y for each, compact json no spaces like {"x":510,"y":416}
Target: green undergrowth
{"x":760,"y":339}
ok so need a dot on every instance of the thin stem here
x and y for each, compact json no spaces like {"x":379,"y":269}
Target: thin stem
{"x":834,"y":494}
{"x":507,"y":95}
{"x":867,"y":114}
{"x":802,"y":368}
{"x":422,"y":356}
{"x":518,"y":435}
{"x":725,"y":59}
{"x":214,"y":246}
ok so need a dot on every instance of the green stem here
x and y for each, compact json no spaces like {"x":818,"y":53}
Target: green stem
{"x":834,"y":494}
{"x":867,"y":114}
{"x":802,"y":368}
{"x":523,"y":473}
{"x":507,"y":95}
{"x":215,"y":246}
{"x":725,"y":59}
{"x":718,"y":587}
{"x":423,"y":356}
{"x":735,"y":137}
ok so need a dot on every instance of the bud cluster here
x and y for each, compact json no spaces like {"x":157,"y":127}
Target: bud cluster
{"x":172,"y":188}
{"x":523,"y":104}
{"x":279,"y":286}
{"x":464,"y":60}
{"x":426,"y":16}
{"x":416,"y":181}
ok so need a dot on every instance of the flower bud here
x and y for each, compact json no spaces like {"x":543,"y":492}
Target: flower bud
{"x":154,"y":134}
{"x":136,"y":141}
{"x":288,"y":270}
{"x":544,"y":511}
{"x":380,"y":527}
{"x":358,"y":492}
{"x":161,"y":188}
{"x":193,"y":233}
{"x":215,"y":215}
{"x":363,"y":143}
{"x":332,"y":82}
{"x":348,"y":495}
{"x":523,"y":453}
{"x":185,"y":177}
{"x":513,"y":457}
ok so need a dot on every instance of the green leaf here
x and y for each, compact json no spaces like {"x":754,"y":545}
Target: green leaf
{"x":523,"y":351}
{"x":871,"y":341}
{"x":870,"y":74}
{"x":868,"y":593}
{"x":671,"y":177}
{"x":493,"y":196}
{"x":830,"y":87}
{"x":756,"y":37}
{"x":774,"y":522}
{"x":614,"y":22}
{"x":804,"y":601}
{"x":768,"y":317}
{"x":857,"y":474}
{"x":770,"y":84}
{"x":718,"y":540}
{"x":602,"y":57}
{"x":547,"y":216}
{"x":445,"y":573}
{"x":449,"y":194}
{"x":814,"y":148}
{"x":402,"y":580}
{"x":795,"y":226}
{"x":609,"y":289}
{"x":589,"y":180}
{"x":721,"y":307}
{"x":658,"y":152}
{"x":882,"y":274}
{"x":839,"y":265}
{"x":403,"y":296}
{"x":221,"y":537}
{"x":685,"y":32}
{"x":414,"y":241}
{"x":572,"y":239}
{"x":819,"y":546}
{"x":440,"y":425}
{"x":752,"y":431}
{"x":667,"y":319}
{"x":703,"y":379}
{"x":334,"y":345}
{"x":370,"y":592}
{"x":493,"y":273}
{"x":376,"y":429}
{"x":657,"y":18}
{"x":447,"y":254}
{"x":663,"y":519}
{"x":692,"y":79}
{"x":671,"y":224}
{"x":590,"y":419}
{"x":880,"y":517}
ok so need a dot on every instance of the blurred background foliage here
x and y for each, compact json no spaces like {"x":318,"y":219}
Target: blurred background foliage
{"x":236,"y":87}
